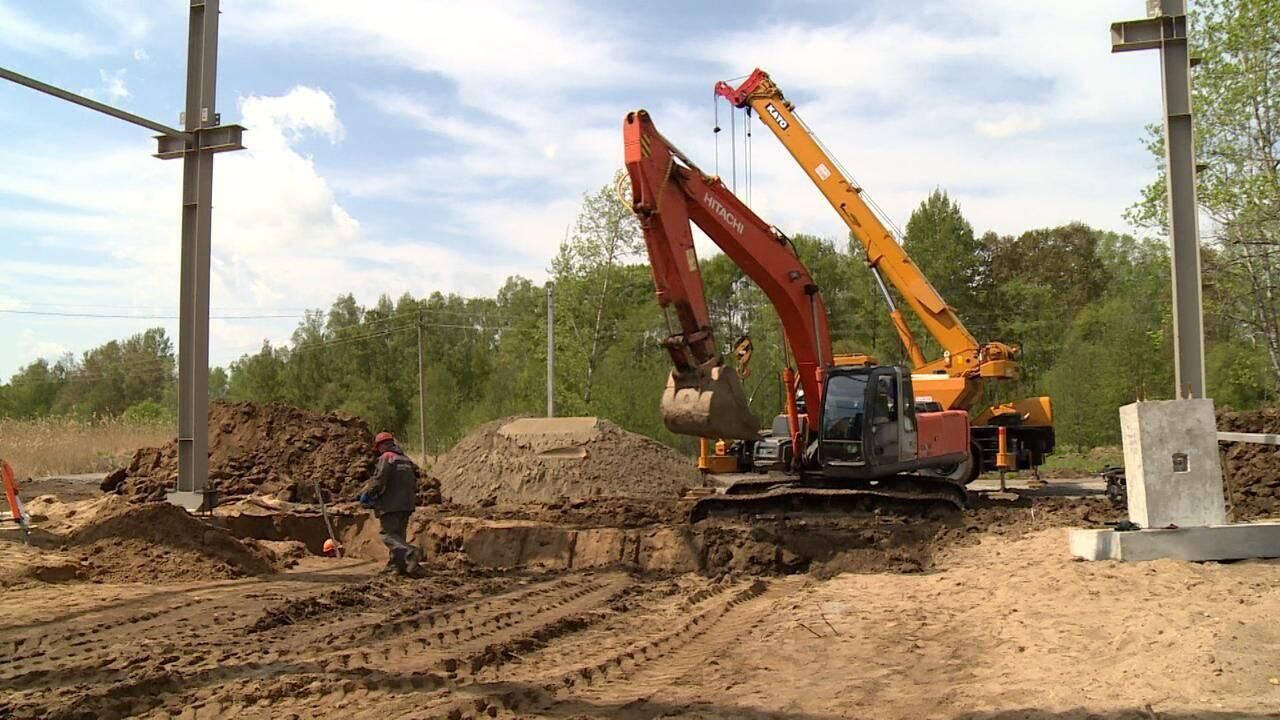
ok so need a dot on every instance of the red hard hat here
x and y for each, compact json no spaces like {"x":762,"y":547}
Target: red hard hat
{"x":330,"y":547}
{"x":382,"y":437}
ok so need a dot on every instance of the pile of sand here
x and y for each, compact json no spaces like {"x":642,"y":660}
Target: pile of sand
{"x":1251,"y":471}
{"x":275,"y":450}
{"x":118,"y":541}
{"x":541,"y":460}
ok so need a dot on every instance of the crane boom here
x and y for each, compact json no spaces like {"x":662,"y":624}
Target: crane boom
{"x":964,"y":358}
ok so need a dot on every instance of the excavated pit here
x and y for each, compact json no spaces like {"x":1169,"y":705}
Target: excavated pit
{"x":548,"y":540}
{"x":545,"y":495}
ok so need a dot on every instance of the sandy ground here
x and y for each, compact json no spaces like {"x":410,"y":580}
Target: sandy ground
{"x":1008,"y":627}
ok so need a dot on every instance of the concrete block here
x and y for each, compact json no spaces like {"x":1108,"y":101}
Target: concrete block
{"x":1171,"y":463}
{"x":1091,"y":544}
{"x":1196,"y":544}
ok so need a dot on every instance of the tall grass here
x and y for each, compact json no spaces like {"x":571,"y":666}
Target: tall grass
{"x":64,"y":446}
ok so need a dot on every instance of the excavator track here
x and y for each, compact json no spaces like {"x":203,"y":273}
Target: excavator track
{"x":901,"y":495}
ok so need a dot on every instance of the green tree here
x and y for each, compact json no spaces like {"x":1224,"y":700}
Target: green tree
{"x":606,"y":232}
{"x":218,"y":383}
{"x":1118,"y":347}
{"x":1040,"y":280}
{"x":942,"y":243}
{"x":258,"y":377}
{"x":117,"y":374}
{"x":33,"y":391}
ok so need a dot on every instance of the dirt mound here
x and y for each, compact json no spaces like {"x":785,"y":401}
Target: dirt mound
{"x":540,"y":460}
{"x":126,"y":542}
{"x":1251,"y":471}
{"x":275,"y":450}
{"x":23,"y":564}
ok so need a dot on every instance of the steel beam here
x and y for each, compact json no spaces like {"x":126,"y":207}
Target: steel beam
{"x":1165,"y":29}
{"x":92,"y":104}
{"x":215,"y":140}
{"x":201,"y":122}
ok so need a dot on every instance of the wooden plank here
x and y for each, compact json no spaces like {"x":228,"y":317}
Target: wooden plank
{"x":1261,"y":438}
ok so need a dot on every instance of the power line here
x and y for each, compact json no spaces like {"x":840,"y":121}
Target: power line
{"x":118,"y":316}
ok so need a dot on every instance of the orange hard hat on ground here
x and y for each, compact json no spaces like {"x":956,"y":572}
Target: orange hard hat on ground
{"x":382,"y":437}
{"x":330,"y":547}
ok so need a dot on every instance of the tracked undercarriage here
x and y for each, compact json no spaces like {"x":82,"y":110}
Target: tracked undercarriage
{"x":775,"y":496}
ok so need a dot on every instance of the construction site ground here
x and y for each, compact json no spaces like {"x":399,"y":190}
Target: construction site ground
{"x":983,"y":616}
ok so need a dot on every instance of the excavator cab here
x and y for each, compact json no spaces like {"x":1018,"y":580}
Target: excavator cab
{"x":868,"y":420}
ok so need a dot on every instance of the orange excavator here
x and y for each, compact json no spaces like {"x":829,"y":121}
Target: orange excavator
{"x":1012,"y":436}
{"x":855,"y":437}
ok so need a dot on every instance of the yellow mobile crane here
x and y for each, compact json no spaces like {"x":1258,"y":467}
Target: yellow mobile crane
{"x":1012,"y":436}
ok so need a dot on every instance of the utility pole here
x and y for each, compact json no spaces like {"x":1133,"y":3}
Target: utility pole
{"x":551,"y":350}
{"x":422,"y":392}
{"x":202,"y":136}
{"x":1165,"y":29}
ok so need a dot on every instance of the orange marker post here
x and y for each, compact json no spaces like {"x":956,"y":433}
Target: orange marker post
{"x":15,"y":502}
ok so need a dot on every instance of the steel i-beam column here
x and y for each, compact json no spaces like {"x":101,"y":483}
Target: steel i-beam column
{"x":1165,"y":29}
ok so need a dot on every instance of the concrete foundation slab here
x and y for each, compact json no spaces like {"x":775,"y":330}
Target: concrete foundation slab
{"x":1171,"y":463}
{"x":1197,"y":544}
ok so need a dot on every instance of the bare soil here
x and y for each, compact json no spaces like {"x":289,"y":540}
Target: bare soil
{"x":550,"y":593}
{"x":982,"y":617}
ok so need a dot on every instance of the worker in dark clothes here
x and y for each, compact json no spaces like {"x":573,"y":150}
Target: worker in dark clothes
{"x":392,"y":493}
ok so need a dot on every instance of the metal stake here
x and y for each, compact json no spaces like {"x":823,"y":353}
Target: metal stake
{"x":422,"y":393}
{"x":551,"y":351}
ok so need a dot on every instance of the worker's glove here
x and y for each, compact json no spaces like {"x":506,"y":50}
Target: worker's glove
{"x":366,"y":500}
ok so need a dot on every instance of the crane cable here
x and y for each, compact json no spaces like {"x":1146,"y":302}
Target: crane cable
{"x":715,"y":129}
{"x":733,"y":147}
{"x":747,"y":161}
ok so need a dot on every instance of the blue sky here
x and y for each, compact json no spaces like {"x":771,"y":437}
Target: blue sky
{"x":419,"y":146}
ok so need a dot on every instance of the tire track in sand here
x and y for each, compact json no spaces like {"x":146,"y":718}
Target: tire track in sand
{"x":415,"y":654}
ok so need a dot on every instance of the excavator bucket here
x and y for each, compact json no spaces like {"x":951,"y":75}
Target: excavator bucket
{"x":710,"y":403}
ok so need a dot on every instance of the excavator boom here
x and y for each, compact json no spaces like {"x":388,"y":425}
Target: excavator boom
{"x":704,"y":396}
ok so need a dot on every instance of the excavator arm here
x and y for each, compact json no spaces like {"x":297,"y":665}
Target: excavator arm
{"x":963,"y":357}
{"x":668,"y":192}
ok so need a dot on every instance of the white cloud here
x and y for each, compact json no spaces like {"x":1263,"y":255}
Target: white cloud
{"x":1008,"y":125}
{"x":140,"y":54}
{"x":114,"y":85}
{"x":424,"y":116}
{"x":130,"y":18}
{"x":547,"y":45}
{"x":22,"y":33}
{"x":282,"y":119}
{"x":30,"y":348}
{"x":280,"y":237}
